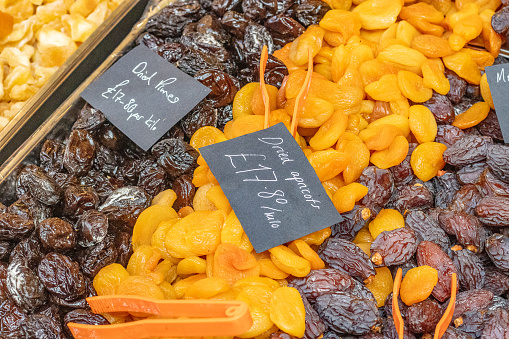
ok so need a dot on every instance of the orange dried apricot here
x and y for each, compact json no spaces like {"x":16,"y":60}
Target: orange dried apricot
{"x":434,"y":77}
{"x":205,"y":136}
{"x":394,"y":119}
{"x":204,"y":236}
{"x":286,"y":260}
{"x":328,"y":163}
{"x":345,"y":198}
{"x":166,"y":198}
{"x":257,"y":105}
{"x":403,"y":57}
{"x":109,"y":278}
{"x":481,"y":58}
{"x":464,"y":66}
{"x":382,"y":285}
{"x":242,"y":100}
{"x":358,"y":153}
{"x":412,"y":86}
{"x":486,"y":92}
{"x":492,"y":40}
{"x":147,"y":223}
{"x":261,"y":322}
{"x":269,"y":269}
{"x":385,"y":89}
{"x":233,"y":263}
{"x":344,"y":22}
{"x":386,"y":220}
{"x":287,"y":311}
{"x":300,"y":247}
{"x":191,"y":265}
{"x":206,"y":288}
{"x":391,"y":156}
{"x":312,"y":39}
{"x":216,"y":195}
{"x":406,"y":32}
{"x":417,"y":284}
{"x":139,"y":286}
{"x":364,"y":235}
{"x":318,"y":237}
{"x":247,"y":124}
{"x":143,"y":260}
{"x":380,"y":137}
{"x":378,"y":14}
{"x":257,"y":281}
{"x":330,"y":131}
{"x":159,"y":237}
{"x":314,"y":112}
{"x":472,"y":116}
{"x":422,"y":123}
{"x":431,"y":46}
{"x":426,"y":160}
{"x":182,"y":285}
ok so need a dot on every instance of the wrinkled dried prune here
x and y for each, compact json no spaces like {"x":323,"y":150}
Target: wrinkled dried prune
{"x":29,"y":250}
{"x":430,"y":254}
{"x":24,"y":286}
{"x":446,"y":186}
{"x":5,"y":249}
{"x":388,"y":306}
{"x":223,"y":86}
{"x":12,"y":320}
{"x":150,"y":40}
{"x":94,"y":258}
{"x":352,"y":223}
{"x":211,"y":25}
{"x":448,"y":135}
{"x":106,"y":160}
{"x":284,"y":26}
{"x":255,"y":37}
{"x":171,"y":20}
{"x":310,"y":12}
{"x":89,"y":118}
{"x":40,"y":326}
{"x":497,"y":247}
{"x":393,"y":247}
{"x":29,"y":208}
{"x":470,"y":174}
{"x":193,"y":61}
{"x":496,"y":281}
{"x":275,"y":70}
{"x":61,"y":276}
{"x":458,"y":86}
{"x":51,"y":156}
{"x":467,"y":301}
{"x":39,"y":184}
{"x":91,"y":228}
{"x":470,"y":269}
{"x":380,"y":184}
{"x":79,"y":199}
{"x":224,"y":114}
{"x":497,"y":327}
{"x":14,"y":227}
{"x":345,"y":255}
{"x":344,"y":312}
{"x":423,"y":317}
{"x":467,"y":150}
{"x":411,"y":197}
{"x":204,"y":43}
{"x":466,"y":227}
{"x":314,"y":325}
{"x":490,"y":127}
{"x":319,"y":282}
{"x":57,"y":235}
{"x":79,"y":152}
{"x":123,"y":246}
{"x":103,"y":185}
{"x":497,"y":159}
{"x":65,"y":180}
{"x":202,"y":115}
{"x":258,"y":10}
{"x":111,"y":137}
{"x":466,"y":199}
{"x":236,"y":23}
{"x":81,"y":316}
{"x":152,"y":179}
{"x":175,"y":156}
{"x":493,"y":211}
{"x":220,"y":7}
{"x":184,"y":188}
{"x":441,"y":107}
{"x":124,"y":206}
{"x":491,"y":185}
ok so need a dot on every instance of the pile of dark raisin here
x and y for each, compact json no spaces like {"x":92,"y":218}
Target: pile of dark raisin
{"x":74,"y":209}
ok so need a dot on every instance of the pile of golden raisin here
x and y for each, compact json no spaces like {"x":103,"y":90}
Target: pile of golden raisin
{"x":375,"y":62}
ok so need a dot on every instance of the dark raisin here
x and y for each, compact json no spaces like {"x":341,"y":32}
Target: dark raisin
{"x":345,"y":312}
{"x":470,"y":174}
{"x":124,"y":206}
{"x":24,"y":286}
{"x":497,"y":247}
{"x":79,"y":152}
{"x":497,"y":159}
{"x":453,"y":333}
{"x":39,"y":184}
{"x":500,"y":21}
{"x":184,"y":188}
{"x":345,"y":255}
{"x":94,"y":258}
{"x":91,"y":227}
{"x":393,"y":247}
{"x":411,"y":197}
{"x":467,"y":150}
{"x":314,"y":325}
{"x":441,"y":107}
{"x":458,"y":86}
{"x":310,"y":12}
{"x":466,"y":199}
{"x":496,"y":281}
{"x":470,"y":300}
{"x":389,"y":330}
{"x":14,"y":227}
{"x":430,"y":254}
{"x":403,"y":173}
{"x":352,"y":223}
{"x":470,"y":269}
{"x":497,"y":327}
{"x":466,"y":227}
{"x":123,"y":246}
{"x":493,"y":211}
{"x":490,"y":127}
{"x":57,"y":235}
{"x":446,"y":186}
{"x":423,"y":317}
{"x":79,"y":199}
{"x":89,"y":118}
{"x":380,"y":184}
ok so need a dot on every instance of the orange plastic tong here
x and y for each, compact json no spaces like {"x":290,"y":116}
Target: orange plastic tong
{"x":444,"y":322}
{"x":202,"y":318}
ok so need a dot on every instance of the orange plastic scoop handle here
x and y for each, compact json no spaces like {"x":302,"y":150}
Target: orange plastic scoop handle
{"x":444,"y":322}
{"x":206,"y":318}
{"x":265,"y":95}
{"x":396,"y":314}
{"x":302,"y":95}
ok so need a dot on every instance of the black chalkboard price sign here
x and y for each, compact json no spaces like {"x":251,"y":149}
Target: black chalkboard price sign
{"x":498,"y":79}
{"x":271,"y":186}
{"x":144,"y":95}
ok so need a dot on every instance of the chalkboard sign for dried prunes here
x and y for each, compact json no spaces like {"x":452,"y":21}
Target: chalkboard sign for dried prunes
{"x":271,"y":186}
{"x":144,"y":95}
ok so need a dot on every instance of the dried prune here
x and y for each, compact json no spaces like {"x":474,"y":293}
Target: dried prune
{"x":91,"y":228}
{"x":202,"y":115}
{"x":81,"y":316}
{"x":446,"y":186}
{"x":430,"y":254}
{"x":51,"y":156}
{"x":39,"y":184}
{"x":79,"y":152}
{"x":470,"y":174}
{"x":453,"y":333}
{"x":65,"y":180}
{"x":29,"y":250}
{"x":490,"y":185}
{"x":411,"y":197}
{"x":275,"y":71}
{"x":224,"y":114}
{"x":111,"y":137}
{"x":89,"y":118}
{"x":220,"y":7}
{"x":467,"y":150}
{"x":14,"y":227}
{"x":496,"y":281}
{"x":255,"y":37}
{"x":490,"y":127}
{"x":150,"y":40}
{"x":497,"y":159}
{"x":223,"y":86}
{"x":94,"y":258}
{"x":314,"y":325}
{"x":352,"y":223}
{"x":344,"y":312}
{"x":319,"y":282}
{"x":57,"y":235}
{"x":12,"y":320}
{"x":106,"y":160}
{"x":171,"y":20}
{"x":310,"y":12}
{"x":389,"y":330}
{"x":61,"y":276}
{"x":124,"y":206}
{"x":499,"y":21}
{"x":466,"y":227}
{"x":470,"y":269}
{"x":40,"y":326}
{"x":423,"y":317}
{"x":493,"y":211}
{"x":380,"y":184}
{"x":448,"y":135}
{"x":79,"y":199}
{"x":204,"y":43}
{"x":393,"y":247}
{"x":283,"y":26}
{"x":258,"y":10}
{"x":123,"y":246}
{"x":403,"y":173}
{"x":458,"y":86}
{"x":152,"y":178}
{"x":236,"y":23}
{"x":497,"y":247}
{"x":466,"y":199}
{"x":5,"y":249}
{"x":192,"y":61}
{"x":103,"y":185}
{"x":441,"y":107}
{"x":184,"y":189}
{"x":345,"y":255}
{"x":209,"y":24}
{"x":24,"y":286}
{"x":175,"y":156}
{"x":29,"y":208}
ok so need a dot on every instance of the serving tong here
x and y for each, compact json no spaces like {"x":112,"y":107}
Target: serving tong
{"x":190,"y":318}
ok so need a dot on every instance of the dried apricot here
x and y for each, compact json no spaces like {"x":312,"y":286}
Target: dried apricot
{"x":464,"y":66}
{"x":191,"y":265}
{"x":426,"y":160}
{"x":109,"y":278}
{"x":328,"y":163}
{"x":312,"y":39}
{"x":206,"y":288}
{"x":378,"y":14}
{"x":345,"y":198}
{"x":147,"y":223}
{"x":386,"y":220}
{"x":385,"y":89}
{"x":139,"y":286}
{"x":391,"y":156}
{"x":431,"y":46}
{"x":412,"y":86}
{"x":472,"y":116}
{"x":486,"y":92}
{"x":417,"y":284}
{"x":286,"y":260}
{"x":300,"y":247}
{"x":434,"y":77}
{"x":330,"y":131}
{"x":403,"y":57}
{"x":233,"y":263}
{"x":382,"y":285}
{"x":422,"y":123}
{"x":287,"y":311}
